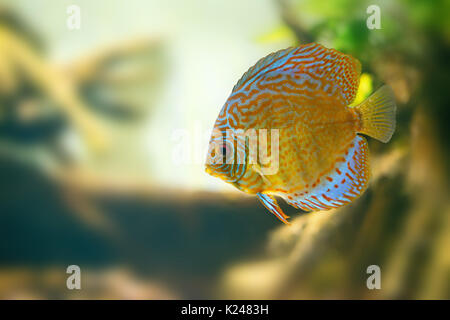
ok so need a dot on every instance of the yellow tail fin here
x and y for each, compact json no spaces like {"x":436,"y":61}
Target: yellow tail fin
{"x":377,"y":114}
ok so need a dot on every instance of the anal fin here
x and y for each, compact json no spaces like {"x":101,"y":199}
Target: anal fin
{"x":347,"y":181}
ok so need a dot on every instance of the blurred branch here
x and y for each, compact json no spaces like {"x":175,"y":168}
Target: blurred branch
{"x":55,"y":84}
{"x":89,"y":66}
{"x":289,"y":18}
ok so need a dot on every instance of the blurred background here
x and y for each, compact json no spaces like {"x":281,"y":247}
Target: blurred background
{"x":103,"y":132}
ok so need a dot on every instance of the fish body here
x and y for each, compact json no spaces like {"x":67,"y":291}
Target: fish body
{"x":304,"y":94}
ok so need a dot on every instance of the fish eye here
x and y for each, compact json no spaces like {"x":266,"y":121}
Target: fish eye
{"x":225,"y":150}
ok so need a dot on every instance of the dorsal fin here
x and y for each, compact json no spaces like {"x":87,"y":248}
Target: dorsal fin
{"x":263,"y":64}
{"x":324,"y":69}
{"x":342,"y":70}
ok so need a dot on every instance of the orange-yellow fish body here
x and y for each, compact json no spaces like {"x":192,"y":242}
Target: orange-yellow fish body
{"x":300,"y":96}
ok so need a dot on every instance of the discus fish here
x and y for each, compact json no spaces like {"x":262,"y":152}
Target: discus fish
{"x":304,"y":93}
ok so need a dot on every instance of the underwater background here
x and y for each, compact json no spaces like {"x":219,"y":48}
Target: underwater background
{"x":102,"y":144}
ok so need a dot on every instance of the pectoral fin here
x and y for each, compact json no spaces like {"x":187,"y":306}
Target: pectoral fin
{"x":271,"y":204}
